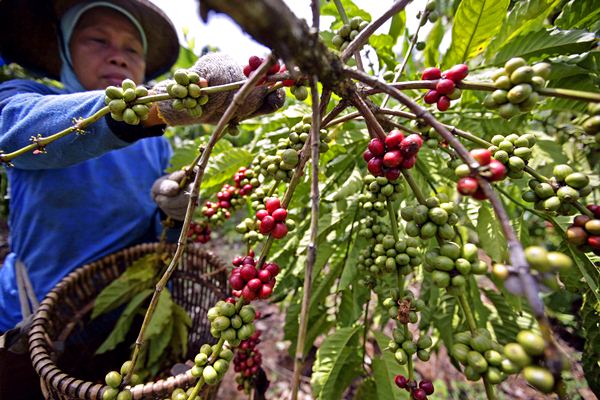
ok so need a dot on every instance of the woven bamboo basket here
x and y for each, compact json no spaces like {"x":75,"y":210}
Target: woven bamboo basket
{"x":198,"y":283}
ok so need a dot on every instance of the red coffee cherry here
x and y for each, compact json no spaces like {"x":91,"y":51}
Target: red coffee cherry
{"x":467,"y":186}
{"x":457,"y":73}
{"x":431,"y":73}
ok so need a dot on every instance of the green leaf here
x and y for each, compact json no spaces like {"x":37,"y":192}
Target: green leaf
{"x":590,"y":318}
{"x":223,"y":166}
{"x":351,"y":186}
{"x":578,"y":14}
{"x":366,"y":389}
{"x":181,"y":325}
{"x":526,"y":16}
{"x":186,"y":58}
{"x":338,"y":362}
{"x":158,"y":344}
{"x":183,"y":156}
{"x":385,"y":369}
{"x":490,"y":234}
{"x":121,"y":329}
{"x":475,"y":23}
{"x":351,"y":9}
{"x":432,"y":47}
{"x":397,"y":25}
{"x":546,"y":43}
{"x":350,"y":270}
{"x":162,"y":315}
{"x":383,"y":47}
{"x":585,"y":82}
{"x":508,"y":329}
{"x":136,"y":277}
{"x":443,"y":317}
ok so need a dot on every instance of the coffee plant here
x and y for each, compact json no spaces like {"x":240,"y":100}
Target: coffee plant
{"x":412,"y":229}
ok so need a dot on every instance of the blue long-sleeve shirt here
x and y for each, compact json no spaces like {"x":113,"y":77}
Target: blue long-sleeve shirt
{"x":89,"y":196}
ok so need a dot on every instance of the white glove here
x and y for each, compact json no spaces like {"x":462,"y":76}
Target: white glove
{"x":169,"y":197}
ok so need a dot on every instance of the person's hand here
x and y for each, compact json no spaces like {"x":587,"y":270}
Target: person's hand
{"x":219,"y":69}
{"x":169,"y":197}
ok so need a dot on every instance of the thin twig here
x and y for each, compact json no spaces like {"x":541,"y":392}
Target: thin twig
{"x":312,"y":247}
{"x":345,"y":20}
{"x":373,"y":125}
{"x":399,"y":73}
{"x":366,"y":33}
{"x":238,"y":99}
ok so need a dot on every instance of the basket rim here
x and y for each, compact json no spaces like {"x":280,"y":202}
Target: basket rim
{"x":39,"y":342}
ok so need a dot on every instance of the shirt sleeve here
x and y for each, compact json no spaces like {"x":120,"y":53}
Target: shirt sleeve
{"x":29,"y":109}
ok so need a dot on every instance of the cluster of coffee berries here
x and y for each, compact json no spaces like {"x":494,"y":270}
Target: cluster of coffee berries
{"x":120,"y":102}
{"x":513,"y":151}
{"x":254,"y":62}
{"x":451,"y":265}
{"x":204,"y":367}
{"x":445,"y":88}
{"x":491,"y":170}
{"x":516,"y":87}
{"x":180,"y":394}
{"x":418,"y":391}
{"x":387,"y":157}
{"x":404,"y":346}
{"x":199,"y":232}
{"x":403,"y":306}
{"x":591,"y":125}
{"x":114,"y":380}
{"x":249,"y":282}
{"x":379,"y":189}
{"x":371,"y":229}
{"x":558,"y":194}
{"x":247,"y":363}
{"x":299,"y":134}
{"x":542,"y":260}
{"x":527,"y":355}
{"x":245,"y":180}
{"x":481,"y":356}
{"x":187,"y":91}
{"x":389,"y":255}
{"x":219,"y":211}
{"x":432,"y":14}
{"x":348,"y":32}
{"x":585,"y":231}
{"x":430,"y":219}
{"x":229,"y":322}
{"x":279,"y":166}
{"x":271,"y":219}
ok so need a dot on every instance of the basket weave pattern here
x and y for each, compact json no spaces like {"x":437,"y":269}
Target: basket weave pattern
{"x":198,"y":283}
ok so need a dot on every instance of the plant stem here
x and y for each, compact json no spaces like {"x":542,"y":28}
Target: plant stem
{"x":373,"y":125}
{"x":535,"y":174}
{"x":366,"y":33}
{"x":398,"y":74}
{"x":41,"y":142}
{"x":345,"y":20}
{"x":464,"y":304}
{"x":312,"y":247}
{"x":413,"y":186}
{"x":212,"y":359}
{"x":393,"y":219}
{"x":515,"y":249}
{"x":365,"y":331}
{"x":238,"y":99}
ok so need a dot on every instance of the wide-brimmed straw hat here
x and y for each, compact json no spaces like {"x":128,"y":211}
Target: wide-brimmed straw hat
{"x":29,"y":34}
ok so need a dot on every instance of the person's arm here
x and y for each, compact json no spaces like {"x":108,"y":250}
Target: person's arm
{"x":27,"y":109}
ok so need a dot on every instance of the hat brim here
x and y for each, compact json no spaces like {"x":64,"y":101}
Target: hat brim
{"x":29,"y":34}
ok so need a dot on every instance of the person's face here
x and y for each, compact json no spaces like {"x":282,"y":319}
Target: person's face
{"x":105,"y":49}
